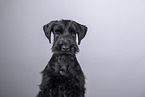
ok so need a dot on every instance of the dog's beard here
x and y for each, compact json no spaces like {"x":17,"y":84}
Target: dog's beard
{"x":56,"y":48}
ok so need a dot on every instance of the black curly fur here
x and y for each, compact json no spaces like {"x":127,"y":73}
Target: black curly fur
{"x":63,"y":76}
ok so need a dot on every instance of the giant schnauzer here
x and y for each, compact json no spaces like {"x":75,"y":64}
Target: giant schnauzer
{"x":63,"y":76}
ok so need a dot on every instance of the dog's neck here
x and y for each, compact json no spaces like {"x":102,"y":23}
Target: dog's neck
{"x":64,"y":59}
{"x":62,"y":62}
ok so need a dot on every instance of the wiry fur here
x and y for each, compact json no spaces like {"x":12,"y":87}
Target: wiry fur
{"x":63,"y":76}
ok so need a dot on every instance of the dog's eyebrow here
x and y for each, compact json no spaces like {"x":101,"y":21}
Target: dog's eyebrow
{"x":58,"y":27}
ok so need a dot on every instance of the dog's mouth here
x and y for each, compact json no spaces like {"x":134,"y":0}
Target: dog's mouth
{"x":73,"y":49}
{"x":66,"y":52}
{"x":61,"y":52}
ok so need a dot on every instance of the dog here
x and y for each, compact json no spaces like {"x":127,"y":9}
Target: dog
{"x":63,"y":76}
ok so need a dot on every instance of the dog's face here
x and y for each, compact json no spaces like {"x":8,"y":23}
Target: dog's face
{"x":65,"y":35}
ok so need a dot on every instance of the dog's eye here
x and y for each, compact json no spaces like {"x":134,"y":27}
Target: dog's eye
{"x":58,"y":31}
{"x":71,"y":30}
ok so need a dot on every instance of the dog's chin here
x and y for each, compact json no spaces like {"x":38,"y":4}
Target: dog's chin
{"x":64,"y":53}
{"x":67,"y":53}
{"x":72,"y":51}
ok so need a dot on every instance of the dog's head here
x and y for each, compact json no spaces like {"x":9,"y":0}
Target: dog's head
{"x":65,"y":35}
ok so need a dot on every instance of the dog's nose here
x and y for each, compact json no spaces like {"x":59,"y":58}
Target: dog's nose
{"x":65,"y":48}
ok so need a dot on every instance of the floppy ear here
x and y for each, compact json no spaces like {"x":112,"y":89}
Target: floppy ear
{"x":81,"y":31}
{"x":48,"y":29}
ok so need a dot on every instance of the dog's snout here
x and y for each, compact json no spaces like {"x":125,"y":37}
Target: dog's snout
{"x":65,"y":48}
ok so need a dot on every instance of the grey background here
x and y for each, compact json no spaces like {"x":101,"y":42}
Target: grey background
{"x":112,"y":55}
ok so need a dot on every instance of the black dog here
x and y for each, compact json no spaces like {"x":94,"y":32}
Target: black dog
{"x":63,"y":76}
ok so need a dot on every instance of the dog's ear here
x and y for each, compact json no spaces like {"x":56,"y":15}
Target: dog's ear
{"x":81,"y":31}
{"x":48,"y":29}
